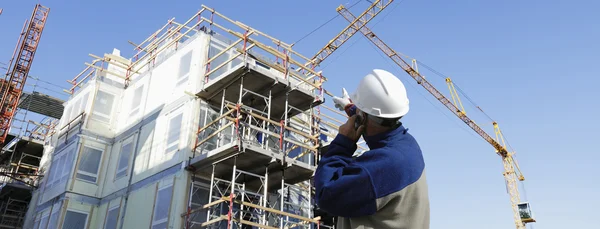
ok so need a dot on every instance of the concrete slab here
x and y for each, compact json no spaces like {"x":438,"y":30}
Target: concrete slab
{"x":259,"y":81}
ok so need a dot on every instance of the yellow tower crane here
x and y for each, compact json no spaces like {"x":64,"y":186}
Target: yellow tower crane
{"x":512,"y":173}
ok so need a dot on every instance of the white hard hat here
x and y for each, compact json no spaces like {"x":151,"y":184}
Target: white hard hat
{"x":381,"y":94}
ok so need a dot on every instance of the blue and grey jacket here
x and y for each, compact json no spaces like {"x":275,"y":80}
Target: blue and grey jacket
{"x":383,"y":188}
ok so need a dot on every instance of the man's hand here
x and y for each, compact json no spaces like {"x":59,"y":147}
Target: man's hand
{"x":341,"y":103}
{"x":347,"y":129}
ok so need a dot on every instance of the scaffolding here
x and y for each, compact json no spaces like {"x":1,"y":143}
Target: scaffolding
{"x":13,"y":213}
{"x":258,"y":138}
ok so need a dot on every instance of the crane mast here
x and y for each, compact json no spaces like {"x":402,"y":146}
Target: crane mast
{"x":18,"y":69}
{"x":511,"y":169}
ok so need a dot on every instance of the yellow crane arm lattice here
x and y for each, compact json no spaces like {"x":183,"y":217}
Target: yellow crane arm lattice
{"x":375,"y":8}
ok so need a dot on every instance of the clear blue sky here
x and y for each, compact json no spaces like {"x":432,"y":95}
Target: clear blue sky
{"x":531,"y":65}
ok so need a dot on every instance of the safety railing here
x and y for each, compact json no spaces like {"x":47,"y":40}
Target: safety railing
{"x":238,"y":43}
{"x":243,"y":123}
{"x":70,"y":128}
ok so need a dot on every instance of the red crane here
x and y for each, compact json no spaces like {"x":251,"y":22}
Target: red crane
{"x":18,"y":69}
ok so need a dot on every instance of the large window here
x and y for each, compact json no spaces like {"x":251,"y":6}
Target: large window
{"x":174,"y":132}
{"x":136,"y":101}
{"x":53,"y":222}
{"x":103,"y":105}
{"x":36,"y":224}
{"x":112,"y":217}
{"x":185,"y":65}
{"x":199,"y":199}
{"x":74,"y":108}
{"x":75,"y":220}
{"x":214,"y":49}
{"x":61,"y":166}
{"x":89,"y":164}
{"x":44,"y":221}
{"x":162,"y":206}
{"x":124,"y":156}
{"x":66,"y":116}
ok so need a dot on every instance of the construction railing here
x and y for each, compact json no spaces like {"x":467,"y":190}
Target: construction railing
{"x":239,"y":43}
{"x":70,"y":128}
{"x":244,"y":123}
{"x":40,"y":130}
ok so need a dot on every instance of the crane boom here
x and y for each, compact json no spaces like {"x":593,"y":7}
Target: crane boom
{"x":375,"y":8}
{"x":508,"y":162}
{"x":12,"y":86}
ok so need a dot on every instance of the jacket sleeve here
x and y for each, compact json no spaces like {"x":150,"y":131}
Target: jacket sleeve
{"x":344,"y":186}
{"x":350,"y":109}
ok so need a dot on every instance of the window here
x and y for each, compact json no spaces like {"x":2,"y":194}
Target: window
{"x":75,"y":109}
{"x":174,"y":132}
{"x":36,"y":224}
{"x":54,"y":217}
{"x":124,"y":155}
{"x":89,"y":164}
{"x":136,"y":101}
{"x":61,"y":166}
{"x":103,"y":105}
{"x":75,"y":220}
{"x":112,"y":217}
{"x":214,"y":49}
{"x":52,"y":223}
{"x":65,"y":118}
{"x":161,"y":207}
{"x":211,"y":115}
{"x":199,"y":199}
{"x":84,"y":102}
{"x":184,"y":68}
{"x":44,"y":221}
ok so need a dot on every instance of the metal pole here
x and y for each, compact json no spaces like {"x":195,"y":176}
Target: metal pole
{"x":239,"y":115}
{"x":210,"y":191}
{"x":265,"y":124}
{"x":265,"y":195}
{"x":220,"y":114}
{"x":281,"y":208}
{"x":187,"y":216}
{"x":232,"y":194}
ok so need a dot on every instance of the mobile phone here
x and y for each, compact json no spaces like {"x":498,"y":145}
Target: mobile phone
{"x":360,"y":120}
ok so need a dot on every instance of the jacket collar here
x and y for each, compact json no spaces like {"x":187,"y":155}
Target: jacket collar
{"x":381,"y":139}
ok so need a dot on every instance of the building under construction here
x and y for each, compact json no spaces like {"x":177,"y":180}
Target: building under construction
{"x":210,"y":124}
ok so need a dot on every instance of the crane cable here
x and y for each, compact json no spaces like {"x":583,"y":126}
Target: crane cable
{"x":356,"y":40}
{"x":441,"y":75}
{"x":321,"y":26}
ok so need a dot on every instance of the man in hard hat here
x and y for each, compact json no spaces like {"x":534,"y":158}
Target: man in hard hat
{"x":384,"y":187}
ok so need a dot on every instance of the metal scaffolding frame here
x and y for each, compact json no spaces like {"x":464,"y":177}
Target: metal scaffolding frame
{"x":241,"y":124}
{"x":235,"y":206}
{"x":250,"y":198}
